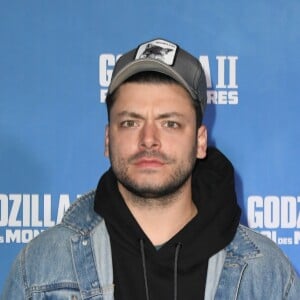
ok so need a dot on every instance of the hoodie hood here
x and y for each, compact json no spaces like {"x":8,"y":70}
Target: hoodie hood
{"x":210,"y":231}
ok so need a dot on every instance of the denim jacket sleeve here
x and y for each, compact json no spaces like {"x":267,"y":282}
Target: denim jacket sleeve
{"x":14,"y":287}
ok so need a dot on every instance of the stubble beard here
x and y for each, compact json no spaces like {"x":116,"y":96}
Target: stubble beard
{"x":154,"y":193}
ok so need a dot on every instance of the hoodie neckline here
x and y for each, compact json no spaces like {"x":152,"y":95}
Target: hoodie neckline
{"x":211,"y":229}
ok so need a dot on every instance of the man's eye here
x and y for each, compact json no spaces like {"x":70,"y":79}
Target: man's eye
{"x":128,"y":123}
{"x":171,"y":124}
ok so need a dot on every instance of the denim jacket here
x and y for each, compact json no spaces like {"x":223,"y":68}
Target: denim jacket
{"x":73,"y":261}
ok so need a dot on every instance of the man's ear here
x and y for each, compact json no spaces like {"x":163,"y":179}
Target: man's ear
{"x":201,"y":142}
{"x":106,"y":142}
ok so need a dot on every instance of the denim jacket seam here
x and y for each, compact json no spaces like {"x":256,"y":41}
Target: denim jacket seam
{"x":240,"y":280}
{"x":252,"y":250}
{"x":52,"y":287}
{"x":290,"y":282}
{"x":23,"y":272}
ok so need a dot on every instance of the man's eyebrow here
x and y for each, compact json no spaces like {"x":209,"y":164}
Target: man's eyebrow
{"x":170,"y":115}
{"x":132,"y":114}
{"x":126,"y":113}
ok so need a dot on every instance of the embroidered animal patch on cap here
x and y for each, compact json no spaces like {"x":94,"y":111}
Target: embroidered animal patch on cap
{"x":158,"y":49}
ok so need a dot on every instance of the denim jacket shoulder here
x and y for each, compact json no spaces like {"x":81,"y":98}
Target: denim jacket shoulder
{"x":71,"y":260}
{"x":251,"y":267}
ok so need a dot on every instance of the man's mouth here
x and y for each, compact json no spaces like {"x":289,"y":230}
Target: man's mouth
{"x":149,"y":163}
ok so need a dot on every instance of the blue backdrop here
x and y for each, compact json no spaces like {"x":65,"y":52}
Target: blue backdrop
{"x":56,"y":59}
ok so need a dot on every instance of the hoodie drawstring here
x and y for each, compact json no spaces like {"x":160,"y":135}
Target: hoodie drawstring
{"x":144,"y":268}
{"x":177,"y":250}
{"x":178,"y":246}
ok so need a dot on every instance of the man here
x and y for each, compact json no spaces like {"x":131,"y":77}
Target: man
{"x":163,"y":222}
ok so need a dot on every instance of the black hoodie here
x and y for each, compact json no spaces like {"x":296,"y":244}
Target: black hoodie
{"x":177,"y":270}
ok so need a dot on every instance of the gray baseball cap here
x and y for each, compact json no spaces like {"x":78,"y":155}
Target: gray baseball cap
{"x":165,"y":57}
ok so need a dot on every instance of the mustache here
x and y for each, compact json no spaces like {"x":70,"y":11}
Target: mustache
{"x":150,"y":154}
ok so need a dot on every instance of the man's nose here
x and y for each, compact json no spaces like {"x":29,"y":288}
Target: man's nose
{"x":149,"y":138}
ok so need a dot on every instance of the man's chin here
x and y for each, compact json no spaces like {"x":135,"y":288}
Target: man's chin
{"x":151,"y":190}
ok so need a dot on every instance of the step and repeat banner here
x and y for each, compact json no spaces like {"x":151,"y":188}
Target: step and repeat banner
{"x":56,"y":61}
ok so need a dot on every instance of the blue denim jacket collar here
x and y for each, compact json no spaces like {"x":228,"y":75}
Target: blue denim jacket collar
{"x":85,"y":222}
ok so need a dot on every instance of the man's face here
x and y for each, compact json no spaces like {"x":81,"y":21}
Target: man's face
{"x":152,"y":140}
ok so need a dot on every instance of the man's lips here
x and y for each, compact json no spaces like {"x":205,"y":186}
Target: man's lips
{"x":148,"y":162}
{"x":149,"y":159}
